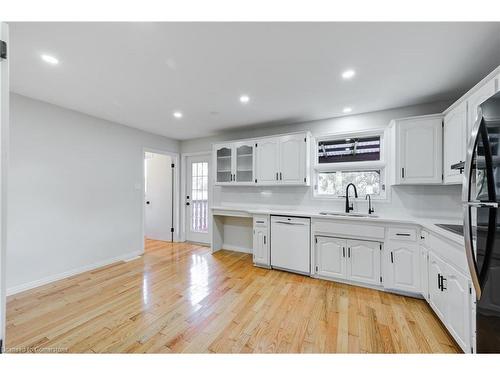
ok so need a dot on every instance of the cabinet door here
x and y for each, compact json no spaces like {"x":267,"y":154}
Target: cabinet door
{"x":475,"y":100}
{"x":261,"y":246}
{"x":437,"y":297}
{"x":424,"y":273}
{"x":292,"y":159}
{"x":331,"y":257}
{"x":244,"y":164}
{"x":458,"y":307}
{"x":224,"y":164}
{"x":420,"y":150}
{"x":454,"y":145}
{"x":267,"y":158}
{"x":404,"y":266}
{"x":363,"y":263}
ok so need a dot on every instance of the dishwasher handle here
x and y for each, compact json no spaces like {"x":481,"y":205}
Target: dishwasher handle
{"x":289,"y":223}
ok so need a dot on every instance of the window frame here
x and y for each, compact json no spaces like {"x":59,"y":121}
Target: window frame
{"x":353,"y":166}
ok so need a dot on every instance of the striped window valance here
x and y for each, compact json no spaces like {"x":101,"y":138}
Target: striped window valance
{"x":349,"y":150}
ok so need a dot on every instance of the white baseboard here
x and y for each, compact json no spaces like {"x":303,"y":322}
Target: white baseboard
{"x":240,"y":249}
{"x":49,"y":279}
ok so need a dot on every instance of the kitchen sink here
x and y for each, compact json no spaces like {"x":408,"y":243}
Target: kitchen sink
{"x":326,"y":213}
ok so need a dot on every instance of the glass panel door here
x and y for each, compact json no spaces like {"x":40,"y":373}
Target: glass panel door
{"x":244,"y":163}
{"x":199,"y":197}
{"x":224,"y":163}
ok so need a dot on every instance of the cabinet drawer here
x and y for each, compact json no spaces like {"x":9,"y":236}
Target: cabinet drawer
{"x":402,"y":234}
{"x":260,"y":221}
{"x":348,"y":229}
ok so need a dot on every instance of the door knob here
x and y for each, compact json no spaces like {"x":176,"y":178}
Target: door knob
{"x":148,"y":202}
{"x":187,"y":203}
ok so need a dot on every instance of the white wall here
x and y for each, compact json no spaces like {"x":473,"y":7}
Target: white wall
{"x":75,"y":191}
{"x":421,"y":201}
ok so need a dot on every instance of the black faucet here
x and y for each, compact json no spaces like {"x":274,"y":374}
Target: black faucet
{"x":349,"y":207}
{"x":370,"y":208}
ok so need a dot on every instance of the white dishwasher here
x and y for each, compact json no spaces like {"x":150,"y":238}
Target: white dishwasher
{"x":291,"y":243}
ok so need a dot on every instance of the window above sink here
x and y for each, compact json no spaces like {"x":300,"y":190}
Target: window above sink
{"x":357,"y":157}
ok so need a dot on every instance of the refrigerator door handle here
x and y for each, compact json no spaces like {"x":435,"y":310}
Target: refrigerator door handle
{"x":469,"y":252}
{"x":482,"y":204}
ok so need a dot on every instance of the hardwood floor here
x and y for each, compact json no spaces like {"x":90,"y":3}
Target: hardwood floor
{"x":180,"y":298}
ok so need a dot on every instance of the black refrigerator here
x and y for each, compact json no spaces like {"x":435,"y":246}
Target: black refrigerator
{"x":481,"y":197}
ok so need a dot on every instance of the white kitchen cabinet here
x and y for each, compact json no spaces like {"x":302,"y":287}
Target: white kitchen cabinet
{"x":261,"y":253}
{"x":352,"y":260}
{"x":224,"y":164}
{"x":234,"y":163}
{"x":244,"y":162}
{"x":292,"y":159}
{"x":363,"y":261}
{"x":437,"y":299}
{"x":458,"y":299}
{"x":267,"y":161}
{"x":283,"y":160}
{"x":418,"y":150}
{"x":403,"y":266}
{"x":476,"y":99}
{"x":454,"y":143}
{"x":424,"y":272}
{"x":450,"y":297}
{"x":331,"y":257}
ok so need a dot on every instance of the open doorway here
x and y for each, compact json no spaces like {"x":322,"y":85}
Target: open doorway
{"x":158,"y":196}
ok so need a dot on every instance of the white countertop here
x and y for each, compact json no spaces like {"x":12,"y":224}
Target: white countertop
{"x":427,"y":223}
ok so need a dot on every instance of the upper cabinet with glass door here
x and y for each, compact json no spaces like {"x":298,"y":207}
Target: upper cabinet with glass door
{"x":223,"y":164}
{"x":234,"y":163}
{"x":244,"y":162}
{"x":277,"y":160}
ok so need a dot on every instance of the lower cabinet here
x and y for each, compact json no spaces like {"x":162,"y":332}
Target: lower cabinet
{"x":261,"y":253}
{"x":437,"y":299}
{"x":450,"y":298}
{"x":424,"y":272}
{"x":330,"y":257}
{"x":402,"y":266}
{"x":353,"y":260}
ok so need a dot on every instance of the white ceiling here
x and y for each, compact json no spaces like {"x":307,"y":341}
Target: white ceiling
{"x":138,"y":74}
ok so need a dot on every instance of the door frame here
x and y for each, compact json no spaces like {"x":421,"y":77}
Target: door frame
{"x":184,"y":157}
{"x":4,"y":155}
{"x":176,"y":198}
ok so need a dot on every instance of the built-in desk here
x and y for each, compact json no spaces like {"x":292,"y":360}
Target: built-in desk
{"x":240,"y":221}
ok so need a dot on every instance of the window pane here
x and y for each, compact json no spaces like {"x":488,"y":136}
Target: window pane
{"x":349,"y":150}
{"x":335,"y":183}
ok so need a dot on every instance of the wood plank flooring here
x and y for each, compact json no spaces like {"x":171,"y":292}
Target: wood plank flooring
{"x":179,"y":298}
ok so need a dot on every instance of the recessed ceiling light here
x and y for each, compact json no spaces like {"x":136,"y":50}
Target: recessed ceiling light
{"x":348,"y":74}
{"x":50,"y":59}
{"x":177,"y":114}
{"x":347,"y":110}
{"x":244,"y":98}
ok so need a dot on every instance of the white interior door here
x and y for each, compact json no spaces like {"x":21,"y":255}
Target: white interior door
{"x":4,"y":126}
{"x":158,"y":196}
{"x":197,"y":198}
